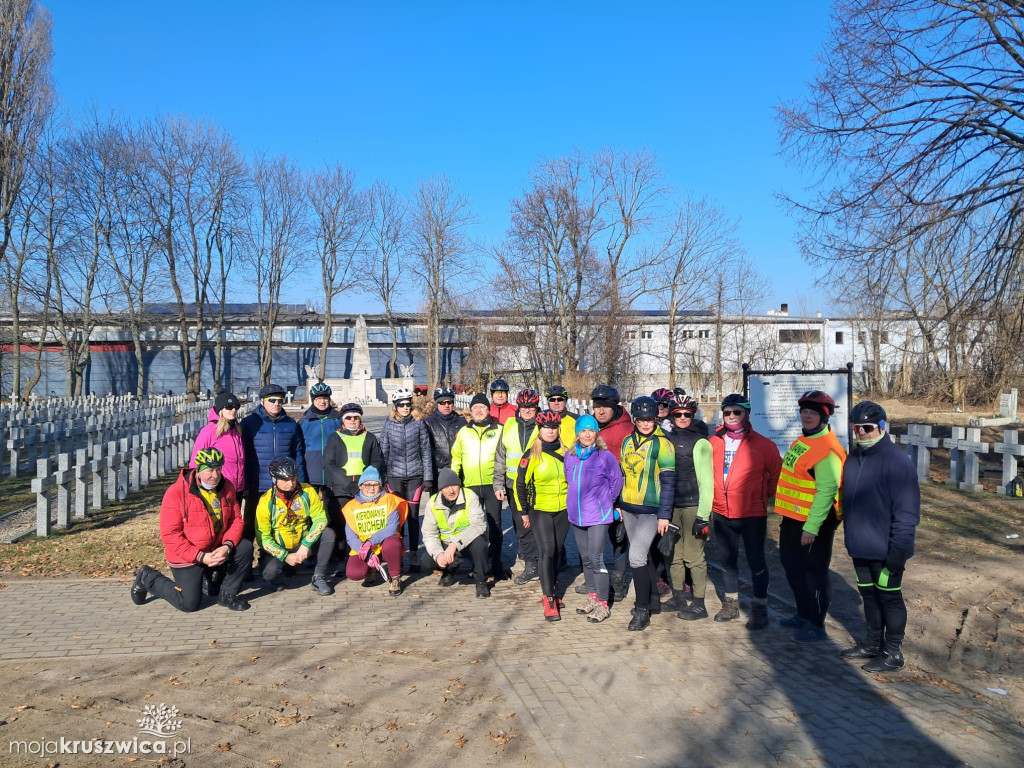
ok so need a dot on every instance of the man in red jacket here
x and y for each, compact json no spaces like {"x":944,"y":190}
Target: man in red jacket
{"x":614,"y":426}
{"x":501,"y":408}
{"x":201,"y":528}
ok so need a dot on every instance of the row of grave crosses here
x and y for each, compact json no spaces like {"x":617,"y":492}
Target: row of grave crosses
{"x":966,"y":449}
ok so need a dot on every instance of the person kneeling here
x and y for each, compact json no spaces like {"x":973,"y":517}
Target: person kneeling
{"x":453,"y":525}
{"x":201,"y":527}
{"x":373,"y":521}
{"x":290,"y":519}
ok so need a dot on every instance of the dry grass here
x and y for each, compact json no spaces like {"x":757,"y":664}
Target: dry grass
{"x":15,"y":493}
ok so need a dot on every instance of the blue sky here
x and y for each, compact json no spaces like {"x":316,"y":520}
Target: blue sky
{"x":478,"y":91}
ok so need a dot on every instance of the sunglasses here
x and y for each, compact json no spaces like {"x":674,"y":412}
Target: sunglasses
{"x":682,"y":415}
{"x":403,"y":405}
{"x":275,"y":400}
{"x":866,"y":428}
{"x":446,"y":402}
{"x":556,"y":399}
{"x":733,"y":413}
{"x":351,"y":418}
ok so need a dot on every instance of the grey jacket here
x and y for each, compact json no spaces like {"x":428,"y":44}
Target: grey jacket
{"x":406,"y":447}
{"x":431,"y":535}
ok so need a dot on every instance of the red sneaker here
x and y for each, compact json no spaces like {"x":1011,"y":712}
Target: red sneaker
{"x":551,"y":609}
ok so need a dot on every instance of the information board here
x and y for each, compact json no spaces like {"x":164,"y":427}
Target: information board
{"x":774,"y":411}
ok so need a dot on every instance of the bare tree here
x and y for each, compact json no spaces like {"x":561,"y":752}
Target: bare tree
{"x":276,"y":246}
{"x":339,"y":224}
{"x":382,"y":266}
{"x":26,"y":99}
{"x":440,"y":216}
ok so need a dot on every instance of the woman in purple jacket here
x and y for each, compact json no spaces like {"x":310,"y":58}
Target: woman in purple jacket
{"x":595,"y":480}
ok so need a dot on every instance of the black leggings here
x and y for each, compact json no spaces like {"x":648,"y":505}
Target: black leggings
{"x":409,"y":488}
{"x":882,"y":591}
{"x":620,"y":550}
{"x":186,"y":591}
{"x":549,"y":530}
{"x":807,"y":567}
{"x":495,"y":536}
{"x":753,"y":531}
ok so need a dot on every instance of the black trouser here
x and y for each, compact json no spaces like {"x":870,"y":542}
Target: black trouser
{"x":807,"y":567}
{"x":882,"y":591}
{"x":327,"y":541}
{"x":620,"y":550}
{"x":527,"y":544}
{"x":186,"y":591}
{"x":495,"y":536}
{"x":249,"y":504}
{"x":409,"y":489}
{"x":477,"y":551}
{"x":550,"y":530}
{"x":753,"y":531}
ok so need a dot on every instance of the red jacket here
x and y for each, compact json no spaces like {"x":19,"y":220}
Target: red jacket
{"x":753,"y":475}
{"x":503,"y":412}
{"x":185,"y":524}
{"x":615,"y":431}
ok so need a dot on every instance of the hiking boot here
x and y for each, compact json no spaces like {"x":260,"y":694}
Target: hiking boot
{"x":619,"y":586}
{"x":809,"y":634}
{"x":447,"y":579}
{"x":581,"y":589}
{"x":233,"y":603}
{"x":551,"y":609}
{"x":320,"y":586}
{"x":482,"y":591}
{"x":600,"y":613}
{"x":529,"y":574}
{"x":793,"y":622}
{"x":675,"y":603}
{"x":655,"y":607}
{"x":211,"y":586}
{"x":889,"y":660}
{"x":694,"y":611}
{"x":395,"y":586}
{"x":138,"y":590}
{"x":589,"y":605}
{"x":869,"y":649}
{"x":640,"y":621}
{"x":730,"y":610}
{"x":758,"y":616}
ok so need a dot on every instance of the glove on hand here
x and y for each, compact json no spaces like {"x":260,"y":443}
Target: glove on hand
{"x":701,"y":528}
{"x":428,"y":487}
{"x":364,"y":551}
{"x":669,"y":539}
{"x":896,"y":560}
{"x":619,"y":532}
{"x":373,"y":561}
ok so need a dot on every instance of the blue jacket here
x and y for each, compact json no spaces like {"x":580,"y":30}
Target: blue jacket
{"x":316,"y":428}
{"x":594,"y":485}
{"x":881,"y":501}
{"x":265,"y":439}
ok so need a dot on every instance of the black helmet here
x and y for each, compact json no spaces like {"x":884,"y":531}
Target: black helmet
{"x":740,"y":400}
{"x":605,"y":392}
{"x":444,"y":393}
{"x":644,"y":408}
{"x":662,"y":396}
{"x":284,"y":468}
{"x":866,"y":412}
{"x":499,"y":385}
{"x":679,"y":392}
{"x":556,"y":390}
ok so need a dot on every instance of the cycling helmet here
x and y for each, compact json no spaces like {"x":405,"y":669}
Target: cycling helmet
{"x":740,"y":400}
{"x":683,"y":403}
{"x":499,"y":385}
{"x":400,"y":394}
{"x":528,"y":398}
{"x":662,"y":396}
{"x":644,"y":408}
{"x":556,"y":390}
{"x":866,"y":412}
{"x":210,"y":458}
{"x":548,"y":418}
{"x":605,"y":392}
{"x":678,"y":391}
{"x":284,"y":468}
{"x":320,"y":390}
{"x":818,"y":401}
{"x":444,"y":393}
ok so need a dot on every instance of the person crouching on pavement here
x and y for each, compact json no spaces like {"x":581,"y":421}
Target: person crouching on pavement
{"x":373,"y":526}
{"x":201,"y":527}
{"x":453,"y":525}
{"x":290,"y":519}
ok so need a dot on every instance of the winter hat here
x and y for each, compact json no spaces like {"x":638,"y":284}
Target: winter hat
{"x":447,"y":477}
{"x":225,"y":400}
{"x":586,"y":421}
{"x":370,"y":475}
{"x":479,"y":399}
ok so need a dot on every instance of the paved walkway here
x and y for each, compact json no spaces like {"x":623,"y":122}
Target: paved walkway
{"x":696,"y":694}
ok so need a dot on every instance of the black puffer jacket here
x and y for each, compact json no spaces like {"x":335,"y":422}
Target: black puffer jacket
{"x":442,"y":430}
{"x":405,"y":443}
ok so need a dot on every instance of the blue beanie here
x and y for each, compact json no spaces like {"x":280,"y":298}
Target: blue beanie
{"x":586,"y":421}
{"x":370,"y":475}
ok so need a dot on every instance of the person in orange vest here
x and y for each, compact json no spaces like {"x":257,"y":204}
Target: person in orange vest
{"x":807,"y":499}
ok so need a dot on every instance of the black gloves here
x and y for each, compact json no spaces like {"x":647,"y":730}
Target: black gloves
{"x":701,"y":529}
{"x":667,"y":545}
{"x":428,"y":487}
{"x":618,"y":532}
{"x":896,"y":560}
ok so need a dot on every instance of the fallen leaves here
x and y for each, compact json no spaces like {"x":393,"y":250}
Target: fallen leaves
{"x":503,"y":738}
{"x":172,"y":681}
{"x":225,"y":747}
{"x":461,"y":741}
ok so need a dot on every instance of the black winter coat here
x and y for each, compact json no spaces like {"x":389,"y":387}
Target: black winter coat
{"x":406,"y":446}
{"x":344,"y":485}
{"x":442,"y":431}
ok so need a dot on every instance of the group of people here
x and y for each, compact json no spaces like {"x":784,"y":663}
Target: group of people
{"x":653,"y":483}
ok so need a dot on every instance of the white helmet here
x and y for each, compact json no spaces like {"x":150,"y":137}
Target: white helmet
{"x":402,"y":393}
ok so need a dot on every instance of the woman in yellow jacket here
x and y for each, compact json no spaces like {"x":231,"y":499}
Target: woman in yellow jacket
{"x":542,"y":490}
